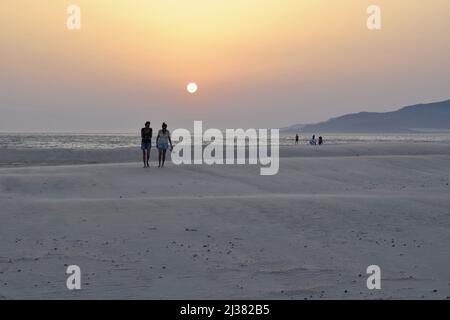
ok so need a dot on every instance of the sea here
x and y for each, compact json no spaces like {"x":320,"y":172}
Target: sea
{"x":95,"y":141}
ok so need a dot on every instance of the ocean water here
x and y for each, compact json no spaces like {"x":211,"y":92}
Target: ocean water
{"x":86,"y":141}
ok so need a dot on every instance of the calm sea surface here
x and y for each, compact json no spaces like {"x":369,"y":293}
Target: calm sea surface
{"x":126,"y":140}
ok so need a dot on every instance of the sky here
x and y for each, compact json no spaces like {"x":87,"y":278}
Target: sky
{"x":257,"y":63}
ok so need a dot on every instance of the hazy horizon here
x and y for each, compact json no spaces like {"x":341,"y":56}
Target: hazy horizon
{"x":257,"y":63}
{"x":190,"y":124}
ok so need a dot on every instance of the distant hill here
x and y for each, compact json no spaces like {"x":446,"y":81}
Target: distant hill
{"x":293,"y":128}
{"x":432,"y":117}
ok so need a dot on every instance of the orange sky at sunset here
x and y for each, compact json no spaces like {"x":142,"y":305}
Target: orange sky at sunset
{"x":264,"y":63}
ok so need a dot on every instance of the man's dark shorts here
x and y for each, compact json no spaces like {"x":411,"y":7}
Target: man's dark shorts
{"x":146,"y":146}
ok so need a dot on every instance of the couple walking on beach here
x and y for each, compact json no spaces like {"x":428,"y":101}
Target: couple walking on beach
{"x":162,"y":143}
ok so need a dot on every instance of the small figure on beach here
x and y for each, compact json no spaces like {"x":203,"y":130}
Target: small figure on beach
{"x":296,"y":139}
{"x":320,"y":141}
{"x":146,"y":144}
{"x":313,"y":141}
{"x":162,"y":142}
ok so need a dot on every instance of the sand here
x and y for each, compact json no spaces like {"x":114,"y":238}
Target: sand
{"x":225,"y":232}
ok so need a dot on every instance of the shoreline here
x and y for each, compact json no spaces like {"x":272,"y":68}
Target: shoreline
{"x":13,"y":158}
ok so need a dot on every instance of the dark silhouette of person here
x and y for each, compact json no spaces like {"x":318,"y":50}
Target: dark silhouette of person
{"x":313,"y":141}
{"x":162,"y":142}
{"x":320,"y":141}
{"x":296,"y":139}
{"x":146,"y":144}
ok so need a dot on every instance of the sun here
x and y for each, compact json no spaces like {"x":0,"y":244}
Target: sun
{"x":192,"y":87}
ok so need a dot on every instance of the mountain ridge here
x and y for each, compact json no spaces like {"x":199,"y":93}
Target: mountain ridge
{"x":409,"y":119}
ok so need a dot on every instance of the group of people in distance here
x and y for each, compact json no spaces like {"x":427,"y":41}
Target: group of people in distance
{"x":313,"y":140}
{"x":162,"y":143}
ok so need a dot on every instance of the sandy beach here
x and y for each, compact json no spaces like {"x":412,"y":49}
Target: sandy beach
{"x":225,"y":232}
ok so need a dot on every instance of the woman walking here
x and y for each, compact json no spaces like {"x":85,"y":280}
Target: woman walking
{"x":162,"y":142}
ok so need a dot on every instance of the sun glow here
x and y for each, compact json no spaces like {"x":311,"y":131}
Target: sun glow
{"x":192,"y":87}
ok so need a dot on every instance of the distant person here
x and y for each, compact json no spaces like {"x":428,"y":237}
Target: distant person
{"x":146,"y":145}
{"x":162,"y":142}
{"x":320,"y":141}
{"x":313,"y":141}
{"x":296,"y":139}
